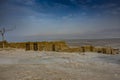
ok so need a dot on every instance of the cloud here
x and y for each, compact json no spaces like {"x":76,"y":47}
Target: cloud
{"x":60,"y":18}
{"x":105,"y":6}
{"x":25,"y":2}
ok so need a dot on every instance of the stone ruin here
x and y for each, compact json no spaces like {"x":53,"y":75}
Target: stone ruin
{"x":58,"y":46}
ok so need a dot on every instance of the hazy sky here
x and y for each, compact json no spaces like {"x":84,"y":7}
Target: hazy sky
{"x":60,"y":19}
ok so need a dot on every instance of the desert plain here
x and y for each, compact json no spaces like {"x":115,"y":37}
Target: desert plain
{"x":18,"y":64}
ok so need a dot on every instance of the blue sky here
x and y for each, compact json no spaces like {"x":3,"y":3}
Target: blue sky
{"x":60,"y":19}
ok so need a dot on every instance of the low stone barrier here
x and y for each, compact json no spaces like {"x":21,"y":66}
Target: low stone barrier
{"x":59,"y":46}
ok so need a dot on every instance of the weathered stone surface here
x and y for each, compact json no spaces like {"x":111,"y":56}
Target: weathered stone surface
{"x":58,"y":46}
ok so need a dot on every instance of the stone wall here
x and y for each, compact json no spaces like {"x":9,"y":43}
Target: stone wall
{"x":4,"y":44}
{"x":41,"y":46}
{"x":19,"y":45}
{"x":87,"y":48}
{"x":106,"y":50}
{"x":72,"y":50}
{"x":59,"y":46}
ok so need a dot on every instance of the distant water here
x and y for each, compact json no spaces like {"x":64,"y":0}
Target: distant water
{"x":115,"y":42}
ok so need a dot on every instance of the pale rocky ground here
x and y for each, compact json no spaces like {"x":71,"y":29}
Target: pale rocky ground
{"x":30,"y":65}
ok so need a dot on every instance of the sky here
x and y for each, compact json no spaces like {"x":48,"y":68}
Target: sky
{"x":35,"y":20}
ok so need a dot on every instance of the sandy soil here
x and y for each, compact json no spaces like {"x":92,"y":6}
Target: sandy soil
{"x":31,"y":65}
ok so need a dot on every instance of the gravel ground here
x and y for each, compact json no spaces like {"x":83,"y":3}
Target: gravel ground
{"x":31,"y":65}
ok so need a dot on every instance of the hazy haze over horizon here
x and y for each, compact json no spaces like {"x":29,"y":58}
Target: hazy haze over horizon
{"x":60,"y":19}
